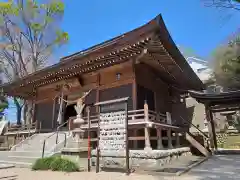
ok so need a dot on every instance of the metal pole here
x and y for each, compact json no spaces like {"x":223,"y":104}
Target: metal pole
{"x":127,"y":144}
{"x":89,"y":139}
{"x":43,"y":148}
{"x":98,"y":136}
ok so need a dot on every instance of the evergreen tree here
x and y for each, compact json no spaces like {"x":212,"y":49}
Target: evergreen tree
{"x":226,"y":65}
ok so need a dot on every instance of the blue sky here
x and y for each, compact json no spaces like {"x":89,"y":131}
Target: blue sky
{"x":191,"y":24}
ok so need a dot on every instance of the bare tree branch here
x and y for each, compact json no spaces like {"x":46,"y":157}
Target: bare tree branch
{"x":30,"y":35}
{"x":228,"y":4}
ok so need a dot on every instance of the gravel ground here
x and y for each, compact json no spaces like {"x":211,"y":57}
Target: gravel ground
{"x":222,"y":167}
{"x":26,"y":174}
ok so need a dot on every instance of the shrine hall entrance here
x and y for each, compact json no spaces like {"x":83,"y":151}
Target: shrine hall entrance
{"x":69,"y":112}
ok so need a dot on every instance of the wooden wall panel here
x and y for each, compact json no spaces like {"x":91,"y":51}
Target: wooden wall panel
{"x":108,"y":75}
{"x":117,"y":92}
{"x":103,"y":78}
{"x":178,"y":109}
{"x":145,"y":94}
{"x":145,"y":77}
{"x":44,"y":111}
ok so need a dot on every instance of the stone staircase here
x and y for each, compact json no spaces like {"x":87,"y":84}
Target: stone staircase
{"x":30,"y":149}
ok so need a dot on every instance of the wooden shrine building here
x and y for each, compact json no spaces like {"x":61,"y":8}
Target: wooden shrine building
{"x":143,"y":64}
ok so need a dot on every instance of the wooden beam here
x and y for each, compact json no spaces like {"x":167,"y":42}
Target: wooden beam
{"x":196,"y":144}
{"x":134,"y":87}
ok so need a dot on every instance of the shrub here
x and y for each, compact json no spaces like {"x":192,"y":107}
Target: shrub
{"x":55,"y":163}
{"x":43,"y":163}
{"x":61,"y":164}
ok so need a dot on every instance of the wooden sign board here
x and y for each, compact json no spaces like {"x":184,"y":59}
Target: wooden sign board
{"x":113,"y":128}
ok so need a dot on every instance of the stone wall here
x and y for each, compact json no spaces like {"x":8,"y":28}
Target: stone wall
{"x":140,"y":158}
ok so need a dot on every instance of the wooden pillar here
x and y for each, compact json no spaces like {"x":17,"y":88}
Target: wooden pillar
{"x":64,"y":108}
{"x":134,"y":86}
{"x":177,"y":139}
{"x":134,"y":94}
{"x":146,"y":129}
{"x":54,"y":113}
{"x":169,"y":134}
{"x":135,"y":143}
{"x":147,"y":139}
{"x":159,"y":139}
{"x":211,"y":128}
{"x":97,"y":91}
{"x":169,"y":118}
{"x":33,"y":113}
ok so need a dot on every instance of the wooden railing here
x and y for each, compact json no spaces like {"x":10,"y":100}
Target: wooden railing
{"x":26,"y":127}
{"x":134,"y":117}
{"x":56,"y":142}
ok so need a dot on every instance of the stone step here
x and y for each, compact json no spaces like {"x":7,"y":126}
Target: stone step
{"x":74,"y":150}
{"x":17,"y":164}
{"x":35,"y":143}
{"x":26,"y":153}
{"x":22,"y":153}
{"x":6,"y":166}
{"x":19,"y":161}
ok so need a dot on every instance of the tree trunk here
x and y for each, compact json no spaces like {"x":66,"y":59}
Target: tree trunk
{"x":28,"y":112}
{"x":19,"y":111}
{"x":19,"y":114}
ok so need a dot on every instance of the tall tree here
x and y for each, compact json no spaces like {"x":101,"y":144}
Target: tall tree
{"x":3,"y":99}
{"x":30,"y":34}
{"x":226,"y":65}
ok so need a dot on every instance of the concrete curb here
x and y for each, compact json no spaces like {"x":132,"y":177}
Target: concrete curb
{"x":227,"y":151}
{"x":192,"y":166}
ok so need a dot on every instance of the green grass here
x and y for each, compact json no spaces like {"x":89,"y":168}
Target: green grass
{"x":232,"y":142}
{"x":60,"y":164}
{"x":43,"y":163}
{"x":55,"y":163}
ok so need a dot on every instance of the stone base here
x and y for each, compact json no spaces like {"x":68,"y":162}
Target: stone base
{"x":140,"y":158}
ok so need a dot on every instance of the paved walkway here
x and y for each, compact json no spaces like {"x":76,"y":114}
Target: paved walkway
{"x":223,"y":167}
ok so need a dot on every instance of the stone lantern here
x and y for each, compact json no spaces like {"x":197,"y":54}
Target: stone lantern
{"x":79,"y":121}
